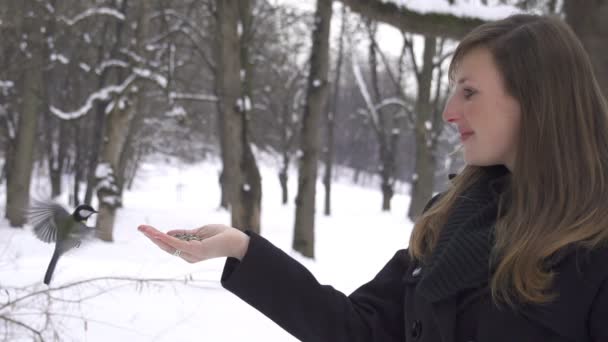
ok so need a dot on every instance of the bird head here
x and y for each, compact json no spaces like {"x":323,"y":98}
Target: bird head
{"x":82,"y":212}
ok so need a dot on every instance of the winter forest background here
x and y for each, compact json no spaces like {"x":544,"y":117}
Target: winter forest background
{"x":287,"y":117}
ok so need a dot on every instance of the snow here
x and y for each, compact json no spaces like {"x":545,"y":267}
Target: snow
{"x":106,"y":181}
{"x":59,"y":57}
{"x":85,"y":67}
{"x":93,"y":12}
{"x":107,"y":92}
{"x":393,"y":101}
{"x":12,"y":130}
{"x":244,"y":104}
{"x":110,"y":63}
{"x":189,"y":96}
{"x":157,"y":78}
{"x":6,"y":84}
{"x":186,"y":301}
{"x":316,"y":83}
{"x":176,"y":111}
{"x":102,"y":94}
{"x":103,"y":170}
{"x":460,"y":8}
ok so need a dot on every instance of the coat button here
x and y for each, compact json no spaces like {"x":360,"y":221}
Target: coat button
{"x":416,"y":329}
{"x":416,"y":271}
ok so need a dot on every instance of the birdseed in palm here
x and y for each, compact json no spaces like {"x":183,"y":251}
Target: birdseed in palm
{"x":188,"y":237}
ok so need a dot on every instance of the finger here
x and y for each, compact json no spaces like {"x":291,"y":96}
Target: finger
{"x":155,"y":234}
{"x":146,"y":229}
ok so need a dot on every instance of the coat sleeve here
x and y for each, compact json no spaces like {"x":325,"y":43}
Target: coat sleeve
{"x":286,"y":292}
{"x":598,"y":329}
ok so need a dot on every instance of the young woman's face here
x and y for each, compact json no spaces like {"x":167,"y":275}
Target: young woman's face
{"x":486,"y":116}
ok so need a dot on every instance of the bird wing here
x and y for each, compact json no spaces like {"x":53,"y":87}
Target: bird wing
{"x":43,"y":215}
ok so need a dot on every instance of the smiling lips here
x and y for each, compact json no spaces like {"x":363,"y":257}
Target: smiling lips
{"x":464,"y":135}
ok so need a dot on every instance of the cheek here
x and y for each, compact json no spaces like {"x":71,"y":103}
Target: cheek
{"x":507,"y":130}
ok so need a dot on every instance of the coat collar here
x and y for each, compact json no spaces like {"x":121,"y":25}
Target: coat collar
{"x":460,"y":259}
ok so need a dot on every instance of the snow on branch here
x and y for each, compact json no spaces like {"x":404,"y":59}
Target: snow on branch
{"x":93,"y":12}
{"x":460,"y":8}
{"x":193,"y":97}
{"x":139,"y":59}
{"x":371,"y":109}
{"x":107,"y":92}
{"x":110,"y":63}
{"x":152,"y":76}
{"x":100,"y":95}
{"x":394,"y":101}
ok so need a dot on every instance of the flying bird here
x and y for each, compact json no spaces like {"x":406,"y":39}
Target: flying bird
{"x":53,"y":223}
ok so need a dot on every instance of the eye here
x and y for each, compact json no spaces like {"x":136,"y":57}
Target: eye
{"x":468,"y":93}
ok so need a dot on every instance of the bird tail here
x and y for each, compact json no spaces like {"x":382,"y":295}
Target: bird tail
{"x":51,"y":268}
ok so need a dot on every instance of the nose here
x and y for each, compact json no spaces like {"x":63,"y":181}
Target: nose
{"x":451,"y":112}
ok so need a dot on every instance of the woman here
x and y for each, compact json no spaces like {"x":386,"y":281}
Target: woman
{"x":514,"y":250}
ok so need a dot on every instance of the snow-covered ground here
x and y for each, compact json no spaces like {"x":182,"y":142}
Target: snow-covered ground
{"x":351,"y":247}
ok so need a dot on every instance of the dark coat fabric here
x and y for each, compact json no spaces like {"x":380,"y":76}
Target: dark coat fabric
{"x":443,"y":299}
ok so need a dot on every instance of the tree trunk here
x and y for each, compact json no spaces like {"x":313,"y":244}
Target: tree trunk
{"x":283,"y":178}
{"x":56,"y":156}
{"x":383,"y":129}
{"x":303,"y":238}
{"x":118,"y":126}
{"x":251,"y":189}
{"x":422,"y":182}
{"x":100,"y":107}
{"x":588,"y":20}
{"x":230,"y":95}
{"x":287,"y":138}
{"x":79,"y":161}
{"x":95,"y":145}
{"x":108,"y":188}
{"x":331,"y":118}
{"x":22,"y":161}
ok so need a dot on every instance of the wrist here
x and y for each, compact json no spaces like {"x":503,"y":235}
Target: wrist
{"x":241,"y":244}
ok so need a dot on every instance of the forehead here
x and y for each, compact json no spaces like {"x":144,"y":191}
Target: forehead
{"x":476,"y":65}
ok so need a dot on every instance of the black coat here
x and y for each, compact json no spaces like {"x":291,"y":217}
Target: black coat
{"x":446,"y":300}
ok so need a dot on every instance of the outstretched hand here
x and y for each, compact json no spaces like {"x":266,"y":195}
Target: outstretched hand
{"x":216,"y":240}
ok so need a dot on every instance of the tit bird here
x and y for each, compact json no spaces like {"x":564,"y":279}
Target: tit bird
{"x":53,"y":223}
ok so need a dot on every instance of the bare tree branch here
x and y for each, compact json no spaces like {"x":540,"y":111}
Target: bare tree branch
{"x":23,"y":325}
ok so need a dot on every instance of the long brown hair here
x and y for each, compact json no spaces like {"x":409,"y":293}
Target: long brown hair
{"x":558,"y":193}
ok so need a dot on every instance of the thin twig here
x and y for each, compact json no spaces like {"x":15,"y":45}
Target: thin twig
{"x":23,"y":325}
